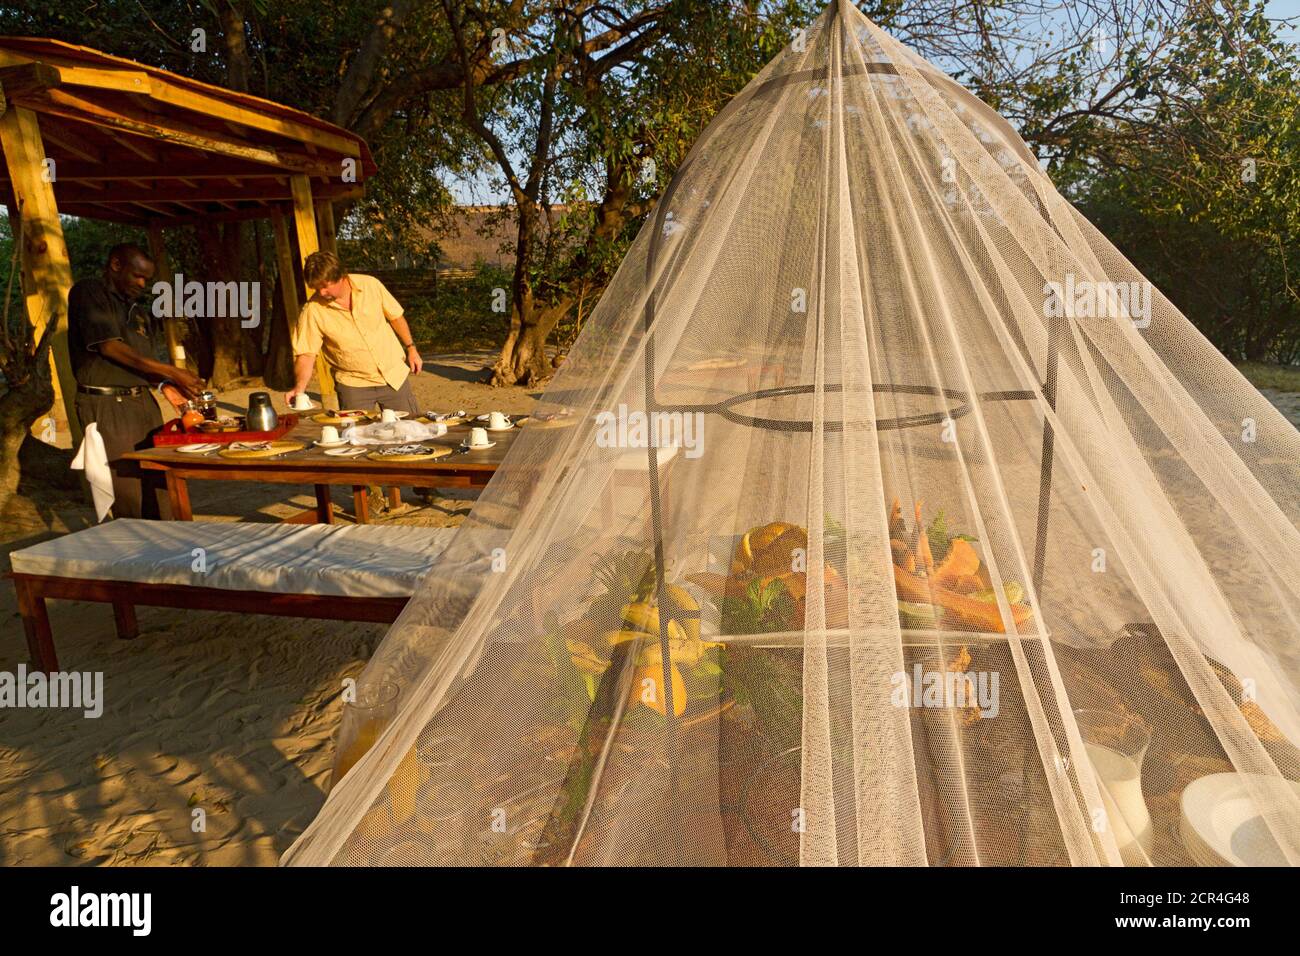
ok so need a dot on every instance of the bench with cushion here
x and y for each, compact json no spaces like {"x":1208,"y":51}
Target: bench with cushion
{"x":344,"y":572}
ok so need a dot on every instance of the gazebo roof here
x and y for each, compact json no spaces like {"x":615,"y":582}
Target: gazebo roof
{"x":137,"y":144}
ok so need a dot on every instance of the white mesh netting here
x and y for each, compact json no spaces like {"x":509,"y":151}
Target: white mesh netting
{"x":962,"y":545}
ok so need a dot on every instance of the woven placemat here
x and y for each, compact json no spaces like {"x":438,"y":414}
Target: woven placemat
{"x":552,"y":422}
{"x":274,"y":448}
{"x":438,"y":451}
{"x":324,"y":418}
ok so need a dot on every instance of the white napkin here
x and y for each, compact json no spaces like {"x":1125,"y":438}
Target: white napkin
{"x":387,"y":433}
{"x":93,"y":460}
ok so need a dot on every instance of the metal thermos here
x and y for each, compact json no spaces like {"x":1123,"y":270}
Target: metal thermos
{"x":261,"y":416}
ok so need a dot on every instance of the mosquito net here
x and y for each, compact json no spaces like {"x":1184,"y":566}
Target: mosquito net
{"x":882,"y":514}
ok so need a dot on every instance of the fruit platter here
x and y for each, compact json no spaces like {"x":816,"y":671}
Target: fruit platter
{"x":941,"y":581}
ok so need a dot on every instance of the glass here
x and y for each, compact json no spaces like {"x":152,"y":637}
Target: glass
{"x":364,"y":719}
{"x":1116,"y":744}
{"x":442,"y":796}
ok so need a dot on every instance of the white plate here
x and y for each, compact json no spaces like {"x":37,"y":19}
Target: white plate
{"x":346,"y":451}
{"x":199,"y":448}
{"x":506,"y":429}
{"x":1222,"y":822}
{"x":331,"y":444}
{"x":468,"y":447}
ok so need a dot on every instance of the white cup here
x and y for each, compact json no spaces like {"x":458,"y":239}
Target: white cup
{"x":497,"y":421}
{"x":329,"y":434}
{"x":301,"y":402}
{"x":389,"y":415}
{"x":478,"y":437}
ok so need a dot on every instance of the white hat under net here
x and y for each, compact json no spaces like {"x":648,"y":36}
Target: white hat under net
{"x":882,"y":514}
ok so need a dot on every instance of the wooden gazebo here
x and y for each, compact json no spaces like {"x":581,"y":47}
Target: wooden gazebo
{"x":89,"y":134}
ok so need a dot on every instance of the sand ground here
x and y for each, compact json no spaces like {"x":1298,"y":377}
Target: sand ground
{"x":231,"y":715}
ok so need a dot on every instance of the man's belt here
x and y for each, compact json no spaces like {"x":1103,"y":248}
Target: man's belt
{"x":112,"y":390}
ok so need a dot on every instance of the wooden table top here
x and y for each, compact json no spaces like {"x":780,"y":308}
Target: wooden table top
{"x":314,"y":459}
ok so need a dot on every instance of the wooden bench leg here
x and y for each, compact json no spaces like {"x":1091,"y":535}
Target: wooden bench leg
{"x":178,"y":493}
{"x":361,"y":503}
{"x":324,"y":508}
{"x":124,"y":620}
{"x":36,"y":624}
{"x":394,"y":497}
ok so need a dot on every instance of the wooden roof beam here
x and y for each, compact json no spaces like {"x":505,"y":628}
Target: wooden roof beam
{"x":78,"y":171}
{"x":30,"y":79}
{"x":211,"y":192}
{"x":223,"y":110}
{"x":69,"y":72}
{"x":110,"y":213}
{"x":131,"y":144}
{"x":72,"y":142}
{"x":79,"y":109}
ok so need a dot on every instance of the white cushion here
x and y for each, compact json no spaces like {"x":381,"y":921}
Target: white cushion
{"x":342,"y":559}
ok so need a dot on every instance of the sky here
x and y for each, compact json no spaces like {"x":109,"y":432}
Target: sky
{"x":481,"y":190}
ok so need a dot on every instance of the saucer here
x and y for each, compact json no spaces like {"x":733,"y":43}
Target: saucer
{"x":331,"y":444}
{"x":199,"y":449}
{"x":468,"y":447}
{"x":346,"y":451}
{"x":506,"y":429}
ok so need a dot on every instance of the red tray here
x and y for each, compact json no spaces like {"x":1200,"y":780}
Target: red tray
{"x":173,"y":434}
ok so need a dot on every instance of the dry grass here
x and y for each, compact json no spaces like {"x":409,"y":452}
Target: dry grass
{"x":1281,"y":378}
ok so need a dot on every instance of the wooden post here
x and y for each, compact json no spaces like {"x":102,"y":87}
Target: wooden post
{"x":284,"y":264}
{"x":47,"y":274}
{"x":325,"y":224}
{"x":304,"y":222}
{"x":163,"y":273}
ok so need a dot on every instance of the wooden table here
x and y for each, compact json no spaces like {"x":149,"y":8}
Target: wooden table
{"x":312,"y":466}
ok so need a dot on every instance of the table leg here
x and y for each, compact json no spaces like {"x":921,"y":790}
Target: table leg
{"x":36,"y":624}
{"x":178,"y":493}
{"x":394,"y":497}
{"x":361,"y":503}
{"x":124,"y":620}
{"x":324,"y":508}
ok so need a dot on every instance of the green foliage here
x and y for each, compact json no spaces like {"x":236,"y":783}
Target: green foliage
{"x":626,"y":577}
{"x":765,"y":609}
{"x":459,"y":315}
{"x":1203,"y":195}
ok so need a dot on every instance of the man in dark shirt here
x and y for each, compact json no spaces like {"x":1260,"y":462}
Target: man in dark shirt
{"x":113,"y":364}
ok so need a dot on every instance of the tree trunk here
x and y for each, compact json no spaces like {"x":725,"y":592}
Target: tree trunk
{"x":223,"y":335}
{"x":523,"y":354}
{"x":523,"y":359}
{"x":30,"y":394}
{"x":277,"y":370}
{"x":369,"y":63}
{"x":230,"y":341}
